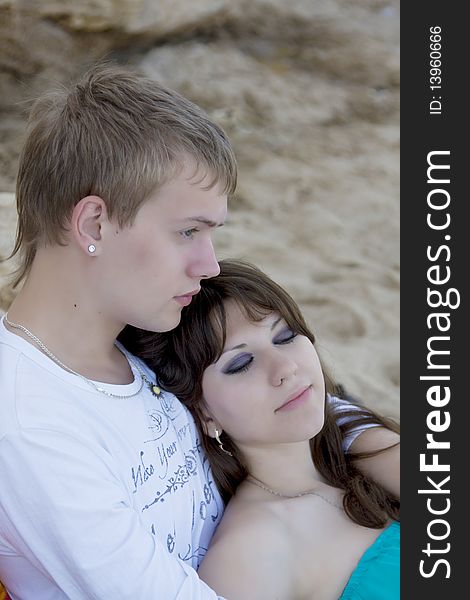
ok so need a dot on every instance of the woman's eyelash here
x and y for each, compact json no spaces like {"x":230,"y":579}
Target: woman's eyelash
{"x":242,"y":363}
{"x":238,"y":366}
{"x":285,"y":337}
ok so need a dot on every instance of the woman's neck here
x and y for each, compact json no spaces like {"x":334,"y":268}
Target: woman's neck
{"x":284,"y":468}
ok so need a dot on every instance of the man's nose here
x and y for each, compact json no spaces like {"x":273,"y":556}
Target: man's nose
{"x":204,"y":263}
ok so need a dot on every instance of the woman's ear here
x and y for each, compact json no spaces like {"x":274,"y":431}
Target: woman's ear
{"x":210,"y":427}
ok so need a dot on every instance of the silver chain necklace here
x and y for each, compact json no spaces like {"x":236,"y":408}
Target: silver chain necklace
{"x":261,"y":485}
{"x":156,"y":391}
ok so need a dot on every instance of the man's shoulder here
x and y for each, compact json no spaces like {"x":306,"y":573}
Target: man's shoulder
{"x":10,"y":360}
{"x":32,"y":396}
{"x":16,"y":366}
{"x":15,"y":353}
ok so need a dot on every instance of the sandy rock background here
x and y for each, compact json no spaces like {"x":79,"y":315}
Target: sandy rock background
{"x":309,"y":94}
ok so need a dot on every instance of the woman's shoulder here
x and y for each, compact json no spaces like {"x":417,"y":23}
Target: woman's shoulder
{"x":252,"y":537}
{"x":256,"y":520}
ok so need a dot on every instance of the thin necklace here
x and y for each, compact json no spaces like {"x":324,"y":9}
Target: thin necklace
{"x":156,"y":391}
{"x":261,"y":485}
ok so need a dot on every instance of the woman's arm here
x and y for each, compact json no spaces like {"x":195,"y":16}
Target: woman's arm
{"x":385,"y":466}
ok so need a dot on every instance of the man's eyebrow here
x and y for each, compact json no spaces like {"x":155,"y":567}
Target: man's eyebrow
{"x":204,"y":221}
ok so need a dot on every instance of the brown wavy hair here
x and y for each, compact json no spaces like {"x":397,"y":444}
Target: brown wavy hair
{"x":181,"y":356}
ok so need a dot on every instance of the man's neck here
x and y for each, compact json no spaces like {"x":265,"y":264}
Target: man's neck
{"x":57,"y":310}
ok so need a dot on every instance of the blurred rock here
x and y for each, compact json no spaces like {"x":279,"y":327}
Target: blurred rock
{"x":7,"y":233}
{"x":309,"y":94}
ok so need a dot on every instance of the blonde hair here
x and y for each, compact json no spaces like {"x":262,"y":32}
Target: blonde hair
{"x":115,"y":134}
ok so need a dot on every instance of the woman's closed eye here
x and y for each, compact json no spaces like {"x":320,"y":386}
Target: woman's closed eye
{"x":240,"y":363}
{"x":285,"y":336}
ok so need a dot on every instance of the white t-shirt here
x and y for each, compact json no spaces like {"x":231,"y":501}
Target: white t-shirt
{"x":100,"y":497}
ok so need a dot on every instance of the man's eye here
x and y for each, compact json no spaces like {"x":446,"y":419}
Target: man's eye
{"x":189,"y":233}
{"x":286,"y":336}
{"x":239,"y":364}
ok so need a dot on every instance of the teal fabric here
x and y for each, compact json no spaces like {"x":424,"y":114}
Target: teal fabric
{"x":377,"y":575}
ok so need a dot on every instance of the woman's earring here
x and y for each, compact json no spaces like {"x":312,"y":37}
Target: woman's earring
{"x":221,"y":446}
{"x":91,"y":248}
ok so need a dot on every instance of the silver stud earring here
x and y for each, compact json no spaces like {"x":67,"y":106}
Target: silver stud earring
{"x":221,"y":445}
{"x":91,"y":248}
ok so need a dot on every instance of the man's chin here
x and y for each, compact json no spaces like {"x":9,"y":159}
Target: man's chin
{"x":170,"y":323}
{"x":160,"y":323}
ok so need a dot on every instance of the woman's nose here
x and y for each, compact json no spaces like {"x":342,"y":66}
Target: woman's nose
{"x":282,"y":370}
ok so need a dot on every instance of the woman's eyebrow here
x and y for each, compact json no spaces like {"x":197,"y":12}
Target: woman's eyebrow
{"x":234,"y":348}
{"x":274,"y":324}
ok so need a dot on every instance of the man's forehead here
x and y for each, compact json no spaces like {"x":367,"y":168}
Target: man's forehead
{"x":199,"y":175}
{"x":186,"y":202}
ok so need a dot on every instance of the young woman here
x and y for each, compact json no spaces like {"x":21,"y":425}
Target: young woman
{"x":306,"y":517}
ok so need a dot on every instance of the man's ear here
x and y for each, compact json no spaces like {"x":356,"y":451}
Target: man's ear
{"x":88,"y":217}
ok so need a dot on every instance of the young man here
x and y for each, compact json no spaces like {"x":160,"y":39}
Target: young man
{"x":105,"y":490}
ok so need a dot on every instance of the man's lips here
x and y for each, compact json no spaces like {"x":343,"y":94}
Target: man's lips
{"x":296,"y":398}
{"x":185,"y":299}
{"x":193,"y":293}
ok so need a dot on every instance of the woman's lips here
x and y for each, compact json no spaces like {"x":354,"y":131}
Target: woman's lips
{"x":297,"y":400}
